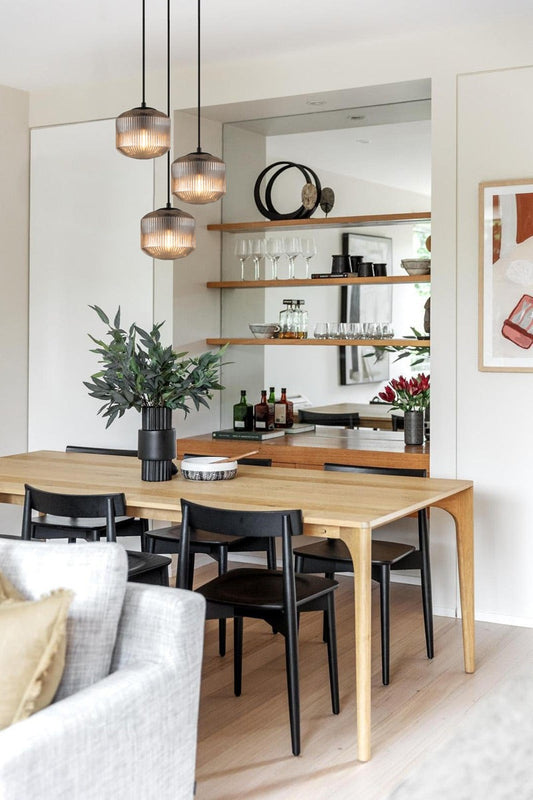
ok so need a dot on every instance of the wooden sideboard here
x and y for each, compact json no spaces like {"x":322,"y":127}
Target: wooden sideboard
{"x":312,"y":450}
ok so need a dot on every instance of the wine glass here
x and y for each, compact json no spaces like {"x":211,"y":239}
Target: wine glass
{"x":274,"y":251}
{"x":242,"y":251}
{"x":309,"y":250}
{"x":257,"y":251}
{"x":293,"y":248}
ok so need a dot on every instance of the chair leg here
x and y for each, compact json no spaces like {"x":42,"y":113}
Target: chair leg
{"x":222,"y":568}
{"x":332,"y":654}
{"x":150,"y":544}
{"x":293,"y":688}
{"x":427,"y":601}
{"x":331,"y":576}
{"x":190,"y":573}
{"x":271,"y":553}
{"x":144,"y":529}
{"x":384,"y":598}
{"x":237,"y":655}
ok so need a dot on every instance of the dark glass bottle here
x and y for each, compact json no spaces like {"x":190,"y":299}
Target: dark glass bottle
{"x":283,"y":411}
{"x":243,"y":414}
{"x":263,"y":414}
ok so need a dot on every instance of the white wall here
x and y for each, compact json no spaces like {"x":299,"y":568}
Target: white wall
{"x":14,"y":196}
{"x":86,"y":204}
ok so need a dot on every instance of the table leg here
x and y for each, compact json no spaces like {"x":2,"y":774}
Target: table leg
{"x":461,"y":507}
{"x":359,"y":545}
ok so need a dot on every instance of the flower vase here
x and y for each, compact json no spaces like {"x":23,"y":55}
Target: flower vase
{"x":157,"y":443}
{"x":413,"y":427}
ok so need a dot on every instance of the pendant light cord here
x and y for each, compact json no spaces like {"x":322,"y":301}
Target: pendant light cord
{"x":198,"y":149}
{"x":168,"y":98}
{"x":143,"y":104}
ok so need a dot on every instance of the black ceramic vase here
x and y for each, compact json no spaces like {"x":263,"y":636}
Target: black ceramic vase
{"x":413,"y":427}
{"x":157,"y":444}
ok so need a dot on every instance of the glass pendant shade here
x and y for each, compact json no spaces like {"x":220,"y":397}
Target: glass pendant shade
{"x":168,"y":233}
{"x":143,"y":132}
{"x":198,"y":178}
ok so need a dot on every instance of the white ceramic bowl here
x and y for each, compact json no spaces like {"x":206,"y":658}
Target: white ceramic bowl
{"x":416,"y":266}
{"x":208,"y":468}
{"x":264,"y":330}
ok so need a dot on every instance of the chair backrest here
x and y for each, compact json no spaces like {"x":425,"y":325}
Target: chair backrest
{"x":260,"y":524}
{"x":81,"y":506}
{"x":346,"y":420}
{"x":251,"y":462}
{"x":408,"y":472}
{"x":103,"y":451}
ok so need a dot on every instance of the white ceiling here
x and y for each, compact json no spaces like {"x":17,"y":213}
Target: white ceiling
{"x":47,"y":43}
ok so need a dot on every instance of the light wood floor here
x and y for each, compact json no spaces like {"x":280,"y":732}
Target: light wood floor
{"x":244,"y":744}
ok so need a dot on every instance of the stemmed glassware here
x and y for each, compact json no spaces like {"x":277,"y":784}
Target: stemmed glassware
{"x":293,"y":248}
{"x":274,"y":251}
{"x":309,"y":250}
{"x":257,"y":251}
{"x":242,"y":251}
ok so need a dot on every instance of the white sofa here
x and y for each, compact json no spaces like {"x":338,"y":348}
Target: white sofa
{"x":123,"y":723}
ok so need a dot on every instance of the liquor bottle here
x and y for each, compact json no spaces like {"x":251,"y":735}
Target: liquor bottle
{"x":263,"y":414}
{"x":243,"y":414}
{"x":283,"y":411}
{"x":287,"y":321}
{"x":302,"y":317}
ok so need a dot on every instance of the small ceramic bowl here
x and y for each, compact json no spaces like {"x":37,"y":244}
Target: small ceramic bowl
{"x":208,"y":468}
{"x":416,"y":266}
{"x":264,"y":330}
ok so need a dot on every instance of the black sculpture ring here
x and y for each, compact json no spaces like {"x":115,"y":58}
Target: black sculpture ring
{"x":267,"y":209}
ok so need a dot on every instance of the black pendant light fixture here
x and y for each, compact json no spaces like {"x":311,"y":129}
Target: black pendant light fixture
{"x":198,"y":177}
{"x":168,"y":233}
{"x":143,"y":132}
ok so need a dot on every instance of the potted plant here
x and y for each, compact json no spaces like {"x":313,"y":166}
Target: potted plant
{"x":139,"y":372}
{"x":410,"y":396}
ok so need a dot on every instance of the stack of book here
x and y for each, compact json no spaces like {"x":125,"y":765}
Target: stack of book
{"x":261,"y":436}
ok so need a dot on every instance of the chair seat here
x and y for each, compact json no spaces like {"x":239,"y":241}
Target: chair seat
{"x":146,"y":565}
{"x":173,"y":534}
{"x":47,"y":521}
{"x":264,"y":588}
{"x":335,"y":549}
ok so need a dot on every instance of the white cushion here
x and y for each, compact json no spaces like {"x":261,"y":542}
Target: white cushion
{"x":97,"y":574}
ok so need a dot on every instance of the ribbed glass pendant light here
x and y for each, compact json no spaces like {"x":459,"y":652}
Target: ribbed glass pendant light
{"x":168,"y":233}
{"x":198,"y":177}
{"x":143,"y":132}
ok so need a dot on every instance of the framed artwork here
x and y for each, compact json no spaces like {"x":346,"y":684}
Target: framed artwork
{"x":506,"y":276}
{"x":366,"y":303}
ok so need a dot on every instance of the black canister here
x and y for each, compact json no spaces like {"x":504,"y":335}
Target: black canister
{"x":366,"y":269}
{"x":340,"y":264}
{"x":355,"y":261}
{"x":380,"y":270}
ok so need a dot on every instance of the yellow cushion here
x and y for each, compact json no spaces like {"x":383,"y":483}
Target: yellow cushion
{"x":32,"y":656}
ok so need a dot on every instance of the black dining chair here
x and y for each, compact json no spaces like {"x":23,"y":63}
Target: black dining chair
{"x":48,"y":527}
{"x":332,"y":419}
{"x":331,"y":556}
{"x":275,"y":596}
{"x":102,"y":510}
{"x":167,"y":540}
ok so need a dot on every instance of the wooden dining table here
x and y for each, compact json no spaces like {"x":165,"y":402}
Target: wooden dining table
{"x":348,"y":506}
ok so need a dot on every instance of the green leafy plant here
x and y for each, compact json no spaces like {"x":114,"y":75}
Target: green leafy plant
{"x":419,"y":353}
{"x":138,"y":372}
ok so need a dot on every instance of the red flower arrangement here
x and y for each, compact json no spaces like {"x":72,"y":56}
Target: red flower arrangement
{"x":407,"y":395}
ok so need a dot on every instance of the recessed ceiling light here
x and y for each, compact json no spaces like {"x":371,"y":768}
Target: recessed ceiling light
{"x":363,"y":141}
{"x":315,"y":102}
{"x":355,"y":117}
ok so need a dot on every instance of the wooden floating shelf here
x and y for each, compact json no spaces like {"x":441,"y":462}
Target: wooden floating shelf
{"x":387,"y":279}
{"x":322,"y":342}
{"x":331,"y":222}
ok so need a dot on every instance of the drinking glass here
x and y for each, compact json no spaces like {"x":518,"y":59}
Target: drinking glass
{"x":242,"y":251}
{"x":387,"y":331}
{"x":309,"y":250}
{"x":354,"y":330}
{"x":333,"y":330}
{"x":257,"y":251}
{"x":274,"y":251}
{"x":343,"y":330}
{"x":293,"y":248}
{"x":321,"y":330}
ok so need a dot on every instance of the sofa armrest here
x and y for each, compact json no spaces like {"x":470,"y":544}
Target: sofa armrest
{"x":159,"y":624}
{"x":131,"y":735}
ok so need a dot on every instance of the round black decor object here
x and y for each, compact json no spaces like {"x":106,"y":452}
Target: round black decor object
{"x":267,"y":209}
{"x":327,"y":199}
